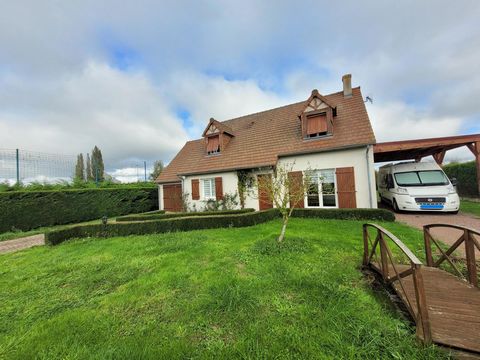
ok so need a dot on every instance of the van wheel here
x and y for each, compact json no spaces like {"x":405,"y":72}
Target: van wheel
{"x":395,"y":206}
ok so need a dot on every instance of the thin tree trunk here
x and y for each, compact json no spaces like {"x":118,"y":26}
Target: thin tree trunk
{"x":284,"y":229}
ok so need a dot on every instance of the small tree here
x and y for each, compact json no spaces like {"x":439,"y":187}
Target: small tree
{"x":88,"y":170}
{"x":157,"y":169}
{"x":80,"y":168}
{"x":285,"y":189}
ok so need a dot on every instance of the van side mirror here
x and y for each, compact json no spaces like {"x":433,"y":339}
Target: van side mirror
{"x":390,"y":182}
{"x":454,"y":181}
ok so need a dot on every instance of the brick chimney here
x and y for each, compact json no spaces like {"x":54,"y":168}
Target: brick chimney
{"x":347,"y":85}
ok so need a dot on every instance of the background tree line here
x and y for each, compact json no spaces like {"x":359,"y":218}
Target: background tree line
{"x":92,"y":168}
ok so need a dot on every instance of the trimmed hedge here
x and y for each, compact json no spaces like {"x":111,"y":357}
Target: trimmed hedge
{"x":161,"y":226}
{"x":161,"y":215}
{"x":26,"y":210}
{"x":466,"y":174}
{"x":345,"y":214}
{"x":208,"y":222}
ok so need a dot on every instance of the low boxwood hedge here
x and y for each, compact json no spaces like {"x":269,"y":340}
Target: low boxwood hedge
{"x":345,"y":214}
{"x":26,"y":210}
{"x":161,"y":215}
{"x":161,"y":226}
{"x":219,"y":220}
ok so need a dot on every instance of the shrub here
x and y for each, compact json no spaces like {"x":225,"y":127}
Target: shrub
{"x":26,"y":210}
{"x":345,"y":214}
{"x":161,"y":216}
{"x":466,"y":175}
{"x":160,"y":226}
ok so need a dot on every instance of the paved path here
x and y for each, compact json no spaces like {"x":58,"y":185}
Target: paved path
{"x":448,"y":236}
{"x":21,"y":243}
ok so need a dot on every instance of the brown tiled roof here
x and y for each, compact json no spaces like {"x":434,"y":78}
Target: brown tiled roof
{"x":262,"y":137}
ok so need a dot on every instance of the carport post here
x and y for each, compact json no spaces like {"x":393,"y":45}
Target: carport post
{"x":475,"y":149}
{"x":477,"y":162}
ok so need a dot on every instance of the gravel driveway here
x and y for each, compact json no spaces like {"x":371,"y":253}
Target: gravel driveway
{"x":448,"y":236}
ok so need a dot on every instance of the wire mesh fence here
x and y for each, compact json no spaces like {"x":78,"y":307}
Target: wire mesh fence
{"x":24,"y":166}
{"x":27,"y":167}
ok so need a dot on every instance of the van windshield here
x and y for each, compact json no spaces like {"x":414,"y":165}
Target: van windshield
{"x":421,"y":178}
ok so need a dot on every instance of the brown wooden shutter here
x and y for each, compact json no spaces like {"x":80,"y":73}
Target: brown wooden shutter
{"x":346,"y":188}
{"x":218,"y":188}
{"x":264,"y":200}
{"x":195,"y":189}
{"x":213,"y":144}
{"x":317,"y":124}
{"x":296,"y":185}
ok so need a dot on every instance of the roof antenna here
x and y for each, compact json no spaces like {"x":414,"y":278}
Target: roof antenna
{"x":369,"y":99}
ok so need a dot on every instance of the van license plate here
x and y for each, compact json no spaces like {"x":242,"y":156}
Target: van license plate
{"x":431,"y":207}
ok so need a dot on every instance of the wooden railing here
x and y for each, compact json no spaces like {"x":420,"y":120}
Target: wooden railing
{"x":385,"y":263}
{"x":467,"y":239}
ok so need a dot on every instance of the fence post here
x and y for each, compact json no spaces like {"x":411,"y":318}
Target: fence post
{"x":470,"y":255}
{"x":383,"y":255}
{"x":422,"y":320}
{"x":17,"y":155}
{"x":145,"y":169}
{"x":365,"y":245}
{"x":428,"y":246}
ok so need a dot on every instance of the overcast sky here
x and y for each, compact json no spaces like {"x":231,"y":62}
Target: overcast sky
{"x":139,"y":78}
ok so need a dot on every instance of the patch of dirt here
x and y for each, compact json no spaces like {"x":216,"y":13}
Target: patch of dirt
{"x":9,"y":246}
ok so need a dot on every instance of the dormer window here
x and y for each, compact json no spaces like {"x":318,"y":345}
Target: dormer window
{"x":213,"y":145}
{"x":317,"y":125}
{"x":317,"y":117}
{"x":217,"y":136}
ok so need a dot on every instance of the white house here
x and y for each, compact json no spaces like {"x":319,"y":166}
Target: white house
{"x":327,"y":137}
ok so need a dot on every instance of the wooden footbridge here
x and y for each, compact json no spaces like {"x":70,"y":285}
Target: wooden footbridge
{"x":444,"y":306}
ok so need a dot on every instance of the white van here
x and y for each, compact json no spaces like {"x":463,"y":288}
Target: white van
{"x":417,"y":186}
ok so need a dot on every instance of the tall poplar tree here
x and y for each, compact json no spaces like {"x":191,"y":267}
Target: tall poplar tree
{"x":80,"y":168}
{"x":89,"y":174}
{"x":98,"y":168}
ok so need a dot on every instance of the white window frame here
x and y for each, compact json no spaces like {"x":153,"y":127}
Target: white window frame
{"x":212,"y":188}
{"x":320,"y":191}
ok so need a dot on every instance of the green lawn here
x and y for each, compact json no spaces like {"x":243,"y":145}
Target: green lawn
{"x":470,"y":207}
{"x":216,"y":294}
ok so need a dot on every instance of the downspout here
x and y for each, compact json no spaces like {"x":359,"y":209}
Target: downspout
{"x":369,"y":177}
{"x":183,"y":188}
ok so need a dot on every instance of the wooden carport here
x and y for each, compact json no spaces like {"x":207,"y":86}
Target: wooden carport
{"x":420,"y":148}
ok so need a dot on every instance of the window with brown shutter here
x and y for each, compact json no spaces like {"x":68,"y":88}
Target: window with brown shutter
{"x":195,"y":189}
{"x":213,"y":145}
{"x":346,"y":187}
{"x":295,"y":182}
{"x":218,"y":188}
{"x":317,"y":125}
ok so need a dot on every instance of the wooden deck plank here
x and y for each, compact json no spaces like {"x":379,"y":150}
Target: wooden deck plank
{"x":453,"y":306}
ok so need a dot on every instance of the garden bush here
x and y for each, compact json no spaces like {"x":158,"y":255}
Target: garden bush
{"x":211,"y":221}
{"x":159,"y":215}
{"x":345,"y":214}
{"x":26,"y":210}
{"x":466,"y":175}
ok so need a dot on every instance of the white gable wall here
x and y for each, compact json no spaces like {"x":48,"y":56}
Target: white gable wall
{"x":356,"y":157}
